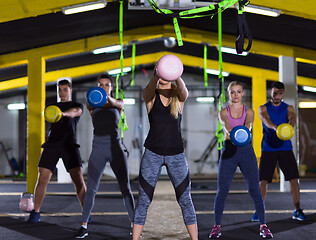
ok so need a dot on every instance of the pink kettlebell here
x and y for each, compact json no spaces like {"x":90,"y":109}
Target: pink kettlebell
{"x":26,"y":202}
{"x":169,"y":67}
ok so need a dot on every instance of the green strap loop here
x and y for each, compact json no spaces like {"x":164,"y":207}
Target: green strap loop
{"x":192,"y":13}
{"x":205,"y":67}
{"x":177,"y":30}
{"x":117,"y":86}
{"x":121,"y":35}
{"x":220,"y":132}
{"x":196,"y":10}
{"x":220,"y":58}
{"x":240,"y":9}
{"x":123,"y":123}
{"x":226,"y":4}
{"x":133,"y":64}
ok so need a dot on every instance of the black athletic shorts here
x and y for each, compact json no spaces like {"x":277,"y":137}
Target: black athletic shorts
{"x":285,"y":160}
{"x":52,"y":152}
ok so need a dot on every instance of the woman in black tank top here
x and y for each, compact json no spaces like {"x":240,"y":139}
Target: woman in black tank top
{"x":106,"y":147}
{"x":164,"y":102}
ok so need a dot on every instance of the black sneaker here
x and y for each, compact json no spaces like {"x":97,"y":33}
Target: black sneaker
{"x":82,"y":233}
{"x":34,"y":217}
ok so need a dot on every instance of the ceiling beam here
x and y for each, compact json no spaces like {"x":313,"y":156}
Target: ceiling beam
{"x":19,"y":9}
{"x":191,"y":61}
{"x":303,"y":9}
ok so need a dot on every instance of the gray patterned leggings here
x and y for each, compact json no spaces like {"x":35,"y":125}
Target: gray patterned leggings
{"x":178,"y":172}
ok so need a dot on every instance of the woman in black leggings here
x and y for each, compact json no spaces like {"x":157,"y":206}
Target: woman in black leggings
{"x":106,"y":147}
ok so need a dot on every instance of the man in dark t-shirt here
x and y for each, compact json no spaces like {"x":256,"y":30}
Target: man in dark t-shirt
{"x":61,"y":143}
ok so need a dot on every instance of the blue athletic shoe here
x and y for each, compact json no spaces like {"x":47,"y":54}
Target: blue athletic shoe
{"x":34,"y":217}
{"x":255,"y":218}
{"x":299,"y":215}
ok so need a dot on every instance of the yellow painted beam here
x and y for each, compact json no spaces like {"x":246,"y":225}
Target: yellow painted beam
{"x":302,"y":8}
{"x":18,"y":9}
{"x":304,"y":81}
{"x":152,"y":58}
{"x":14,"y":83}
{"x":188,"y":60}
{"x":35,"y":119}
{"x":259,"y":97}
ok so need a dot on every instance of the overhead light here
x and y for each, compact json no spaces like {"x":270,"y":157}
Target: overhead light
{"x":309,"y":89}
{"x":16,"y":106}
{"x":262,"y":10}
{"x":129,"y":101}
{"x":109,"y":49}
{"x":205,"y":99}
{"x":232,"y":51}
{"x":216,"y":72}
{"x":118,"y":70}
{"x":84,"y":7}
{"x":307,"y":104}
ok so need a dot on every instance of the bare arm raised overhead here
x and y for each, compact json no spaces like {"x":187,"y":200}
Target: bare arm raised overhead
{"x":149,"y":92}
{"x":182,"y":90}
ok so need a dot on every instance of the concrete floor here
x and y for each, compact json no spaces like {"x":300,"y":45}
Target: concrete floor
{"x":61,"y":213}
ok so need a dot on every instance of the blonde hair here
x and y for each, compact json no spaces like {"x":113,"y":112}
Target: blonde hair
{"x":234,"y":83}
{"x":174,"y":102}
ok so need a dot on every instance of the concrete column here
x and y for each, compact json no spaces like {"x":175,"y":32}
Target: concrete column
{"x":35,"y":120}
{"x":288,"y":75}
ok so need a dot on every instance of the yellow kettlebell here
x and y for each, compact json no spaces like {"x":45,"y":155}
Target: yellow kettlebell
{"x":285,"y":131}
{"x":52,"y":114}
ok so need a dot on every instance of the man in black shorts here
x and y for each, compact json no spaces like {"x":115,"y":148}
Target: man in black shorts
{"x":276,"y":151}
{"x":61,"y":143}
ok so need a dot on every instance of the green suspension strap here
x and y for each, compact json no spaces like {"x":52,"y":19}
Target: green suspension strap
{"x":177,"y":31}
{"x":210,"y":10}
{"x":133,"y":64}
{"x":205,"y":67}
{"x":121,"y":35}
{"x":221,"y":100}
{"x":123,"y":123}
{"x":117,"y":86}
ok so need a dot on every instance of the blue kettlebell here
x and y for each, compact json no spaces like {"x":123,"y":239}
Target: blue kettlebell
{"x":240,"y":136}
{"x":96,"y":97}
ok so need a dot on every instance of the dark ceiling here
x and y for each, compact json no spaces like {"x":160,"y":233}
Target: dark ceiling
{"x":55,"y":28}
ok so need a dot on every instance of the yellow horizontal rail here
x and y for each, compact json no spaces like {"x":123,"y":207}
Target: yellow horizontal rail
{"x":187,"y":60}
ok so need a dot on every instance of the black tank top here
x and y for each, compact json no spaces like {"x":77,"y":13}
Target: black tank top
{"x":65,"y":129}
{"x":106,"y":121}
{"x":164,"y":137}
